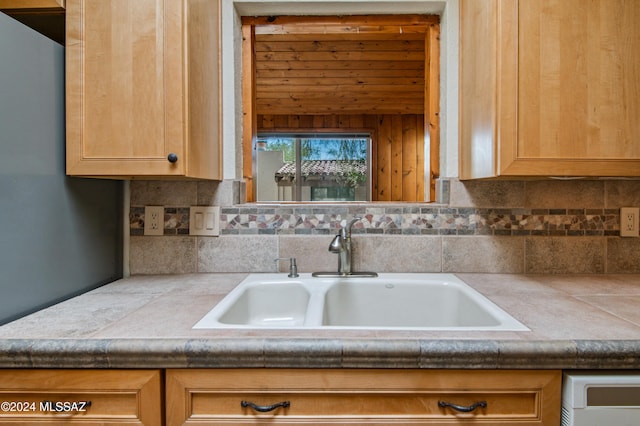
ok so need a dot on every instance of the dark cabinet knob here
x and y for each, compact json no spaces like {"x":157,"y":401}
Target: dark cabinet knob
{"x":172,"y":158}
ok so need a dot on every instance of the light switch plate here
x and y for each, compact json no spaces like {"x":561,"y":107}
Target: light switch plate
{"x":204,"y":220}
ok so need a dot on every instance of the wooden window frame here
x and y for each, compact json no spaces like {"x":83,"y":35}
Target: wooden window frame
{"x":431,"y":86}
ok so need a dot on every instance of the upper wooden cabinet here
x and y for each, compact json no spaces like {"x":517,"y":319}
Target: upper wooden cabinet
{"x":44,"y":16}
{"x":143,"y":88}
{"x":549,"y":88}
{"x":31,"y":4}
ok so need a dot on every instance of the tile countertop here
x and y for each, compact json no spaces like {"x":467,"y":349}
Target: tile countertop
{"x":576,"y":321}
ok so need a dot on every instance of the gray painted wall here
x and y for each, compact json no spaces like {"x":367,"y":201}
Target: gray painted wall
{"x":59,"y":236}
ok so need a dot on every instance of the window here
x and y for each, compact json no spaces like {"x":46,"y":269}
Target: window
{"x":313,"y":167}
{"x":375,"y":75}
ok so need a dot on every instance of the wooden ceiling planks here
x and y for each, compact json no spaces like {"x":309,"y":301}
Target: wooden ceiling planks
{"x":340,"y":65}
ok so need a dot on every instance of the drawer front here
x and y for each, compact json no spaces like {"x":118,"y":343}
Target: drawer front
{"x":374,"y":405}
{"x":81,"y":397}
{"x":364,"y":397}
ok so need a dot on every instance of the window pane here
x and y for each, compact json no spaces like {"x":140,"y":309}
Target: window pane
{"x":334,"y":193}
{"x":312,"y":168}
{"x":271,"y":155}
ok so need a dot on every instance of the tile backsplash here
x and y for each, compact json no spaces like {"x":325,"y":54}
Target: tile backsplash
{"x":545,"y":226}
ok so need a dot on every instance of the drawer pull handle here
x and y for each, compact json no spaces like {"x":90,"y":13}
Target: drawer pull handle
{"x":265,"y":408}
{"x":463,"y":408}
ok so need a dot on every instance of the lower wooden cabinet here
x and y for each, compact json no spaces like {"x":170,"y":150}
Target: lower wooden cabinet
{"x":279,"y":396}
{"x":372,"y":397}
{"x":81,"y":397}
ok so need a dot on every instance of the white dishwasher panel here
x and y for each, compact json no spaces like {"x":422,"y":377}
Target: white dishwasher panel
{"x":596,"y":398}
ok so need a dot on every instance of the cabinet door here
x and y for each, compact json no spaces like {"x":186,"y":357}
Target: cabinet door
{"x":81,"y":397}
{"x":381,"y":397}
{"x":550,"y":88}
{"x":31,"y":4}
{"x":125,"y":94}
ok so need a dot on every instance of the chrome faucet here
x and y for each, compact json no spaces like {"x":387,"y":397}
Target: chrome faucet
{"x":341,"y":245}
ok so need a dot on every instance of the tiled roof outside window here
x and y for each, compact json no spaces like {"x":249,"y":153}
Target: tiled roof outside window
{"x":321,"y":168}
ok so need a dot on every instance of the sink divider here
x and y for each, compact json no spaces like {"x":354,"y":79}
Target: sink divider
{"x":315,"y":308}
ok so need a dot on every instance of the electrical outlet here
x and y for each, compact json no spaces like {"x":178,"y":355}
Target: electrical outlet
{"x":630,"y":222}
{"x":154,"y":220}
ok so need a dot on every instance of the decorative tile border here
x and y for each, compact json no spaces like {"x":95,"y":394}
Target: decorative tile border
{"x":396,"y":220}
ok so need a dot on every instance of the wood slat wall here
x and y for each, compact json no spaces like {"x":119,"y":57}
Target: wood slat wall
{"x":398,"y":155}
{"x":340,"y":73}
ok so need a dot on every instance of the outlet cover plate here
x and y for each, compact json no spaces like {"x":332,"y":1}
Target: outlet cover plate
{"x":204,"y":220}
{"x":630,"y":222}
{"x":154,"y":220}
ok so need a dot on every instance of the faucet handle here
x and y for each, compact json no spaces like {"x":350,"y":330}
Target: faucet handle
{"x":293,"y":267}
{"x":336,"y":244}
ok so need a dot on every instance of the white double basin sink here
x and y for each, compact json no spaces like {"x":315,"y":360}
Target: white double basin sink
{"x":389,"y":301}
